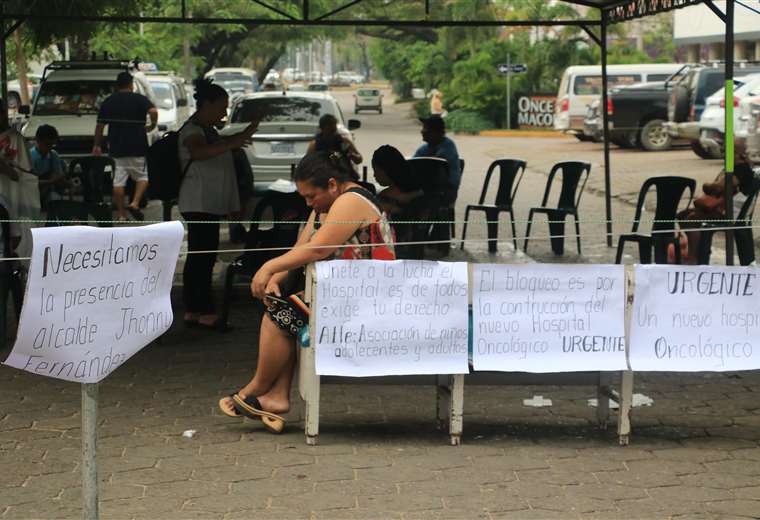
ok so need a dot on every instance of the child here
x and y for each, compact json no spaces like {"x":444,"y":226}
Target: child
{"x":47,"y":165}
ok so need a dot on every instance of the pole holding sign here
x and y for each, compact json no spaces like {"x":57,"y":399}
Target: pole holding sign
{"x":94,"y":298}
{"x":508,"y":69}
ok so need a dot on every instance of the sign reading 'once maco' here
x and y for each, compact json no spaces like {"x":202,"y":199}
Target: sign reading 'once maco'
{"x":548,"y":318}
{"x":377,"y":318}
{"x":695,"y":318}
{"x":536,"y":111}
{"x":95,"y":297}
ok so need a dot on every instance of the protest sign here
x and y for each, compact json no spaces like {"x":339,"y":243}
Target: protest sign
{"x":548,"y":317}
{"x":402,"y":317}
{"x":695,"y":318}
{"x":95,"y":296}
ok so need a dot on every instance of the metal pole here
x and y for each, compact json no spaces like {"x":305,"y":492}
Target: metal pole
{"x":89,"y":451}
{"x":606,"y":123}
{"x":509,"y":92}
{"x":729,"y":156}
{"x":3,"y":59}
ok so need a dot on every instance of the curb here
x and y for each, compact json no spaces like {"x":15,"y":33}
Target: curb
{"x":521,"y":133}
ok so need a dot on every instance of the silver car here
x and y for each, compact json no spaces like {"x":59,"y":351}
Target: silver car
{"x":289,"y":122}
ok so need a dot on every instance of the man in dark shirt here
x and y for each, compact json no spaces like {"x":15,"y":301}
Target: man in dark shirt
{"x":125,"y":114}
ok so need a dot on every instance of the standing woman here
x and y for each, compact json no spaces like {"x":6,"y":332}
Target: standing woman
{"x":208,"y":194}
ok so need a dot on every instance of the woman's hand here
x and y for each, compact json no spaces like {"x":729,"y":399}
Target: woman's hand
{"x":239,"y":140}
{"x":273,"y":287}
{"x":260,"y":282}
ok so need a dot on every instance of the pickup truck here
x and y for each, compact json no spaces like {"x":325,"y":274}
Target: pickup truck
{"x":636,"y":116}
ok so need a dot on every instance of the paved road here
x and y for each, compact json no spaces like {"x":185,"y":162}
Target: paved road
{"x":695,"y":452}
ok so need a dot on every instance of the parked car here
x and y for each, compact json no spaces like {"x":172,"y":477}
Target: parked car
{"x":688,"y":99}
{"x":296,"y":87}
{"x":171,"y":100}
{"x":368,"y":99}
{"x":636,"y":115}
{"x":235,"y":80}
{"x":712,"y":124}
{"x":70,"y":97}
{"x":14,"y":91}
{"x":289,"y":121}
{"x":318,"y":86}
{"x":752,"y":138}
{"x":581,"y":85}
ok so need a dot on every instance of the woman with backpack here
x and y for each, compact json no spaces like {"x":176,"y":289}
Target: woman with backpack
{"x":346,"y":223}
{"x":208,"y":194}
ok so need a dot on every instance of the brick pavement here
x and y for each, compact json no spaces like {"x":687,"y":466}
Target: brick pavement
{"x":694,"y":453}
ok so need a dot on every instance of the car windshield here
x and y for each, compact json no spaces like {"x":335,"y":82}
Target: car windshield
{"x":592,"y":85}
{"x":281,"y":109}
{"x":163,"y":92}
{"x":72,"y":97}
{"x":238,"y":84}
{"x":368,"y":92}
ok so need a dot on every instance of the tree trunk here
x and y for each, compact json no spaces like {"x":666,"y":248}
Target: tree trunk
{"x":366,"y":64}
{"x":21,"y":68}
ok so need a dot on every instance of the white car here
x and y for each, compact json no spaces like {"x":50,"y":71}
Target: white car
{"x":171,"y":100}
{"x":70,"y":97}
{"x":289,"y":122}
{"x":712,"y":123}
{"x":296,"y":87}
{"x":318,"y":86}
{"x":368,"y":99}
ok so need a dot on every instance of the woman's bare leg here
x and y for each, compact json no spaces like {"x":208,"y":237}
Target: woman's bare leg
{"x":276,"y":360}
{"x":277,"y":399}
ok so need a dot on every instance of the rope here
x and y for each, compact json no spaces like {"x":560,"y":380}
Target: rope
{"x":415,"y":243}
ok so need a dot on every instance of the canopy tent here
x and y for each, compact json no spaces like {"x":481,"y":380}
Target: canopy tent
{"x":345,"y":14}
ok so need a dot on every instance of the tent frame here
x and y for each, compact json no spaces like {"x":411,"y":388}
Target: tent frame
{"x":610,"y":12}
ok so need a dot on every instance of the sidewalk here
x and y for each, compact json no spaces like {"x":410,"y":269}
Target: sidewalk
{"x":694,"y":453}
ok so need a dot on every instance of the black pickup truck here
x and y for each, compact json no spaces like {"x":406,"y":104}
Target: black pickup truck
{"x":637,"y":114}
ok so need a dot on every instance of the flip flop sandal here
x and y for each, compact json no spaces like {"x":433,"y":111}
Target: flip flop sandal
{"x":251,"y":407}
{"x":136,"y":213}
{"x":234,"y":413}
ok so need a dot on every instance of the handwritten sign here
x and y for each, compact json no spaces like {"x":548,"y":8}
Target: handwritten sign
{"x":95,"y":297}
{"x":548,"y":317}
{"x":695,"y":318}
{"x":377,"y":318}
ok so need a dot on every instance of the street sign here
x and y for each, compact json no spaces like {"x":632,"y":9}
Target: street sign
{"x":513,"y":68}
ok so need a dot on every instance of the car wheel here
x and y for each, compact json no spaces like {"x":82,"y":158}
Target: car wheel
{"x":702,"y":152}
{"x":583,"y":138}
{"x":654,"y":136}
{"x":380,"y":110}
{"x":625,"y":141}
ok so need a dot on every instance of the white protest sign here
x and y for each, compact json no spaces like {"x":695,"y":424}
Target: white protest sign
{"x":548,"y":317}
{"x":376,"y":318}
{"x":95,"y":297}
{"x":695,"y":318}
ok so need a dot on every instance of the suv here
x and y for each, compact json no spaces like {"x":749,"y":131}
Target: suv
{"x":688,"y":98}
{"x":752,"y":139}
{"x":172,"y":100}
{"x":368,"y":99}
{"x":70,"y":97}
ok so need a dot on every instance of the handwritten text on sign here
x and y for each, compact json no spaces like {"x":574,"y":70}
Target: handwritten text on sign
{"x":548,"y":318}
{"x":391,"y":318}
{"x":95,"y":297}
{"x":696,"y":318}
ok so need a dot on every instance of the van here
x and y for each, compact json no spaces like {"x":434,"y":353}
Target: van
{"x":69,"y":99}
{"x":581,"y":85}
{"x":235,"y":80}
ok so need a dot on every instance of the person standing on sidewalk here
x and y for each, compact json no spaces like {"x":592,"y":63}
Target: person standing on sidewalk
{"x":208,"y":194}
{"x":125,"y":113}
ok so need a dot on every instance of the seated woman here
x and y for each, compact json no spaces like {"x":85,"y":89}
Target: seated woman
{"x":712,"y":206}
{"x":392,"y":171}
{"x":346,"y":223}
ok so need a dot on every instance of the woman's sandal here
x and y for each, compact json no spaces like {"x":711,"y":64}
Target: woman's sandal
{"x":234,"y":413}
{"x":251,"y":407}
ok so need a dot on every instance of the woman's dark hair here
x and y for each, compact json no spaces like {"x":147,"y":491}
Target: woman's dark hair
{"x":206,"y":91}
{"x":327,"y":120}
{"x":319,"y":167}
{"x":390,"y":160}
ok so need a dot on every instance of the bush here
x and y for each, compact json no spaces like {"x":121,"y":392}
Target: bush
{"x":422,"y":108}
{"x":467,"y":122}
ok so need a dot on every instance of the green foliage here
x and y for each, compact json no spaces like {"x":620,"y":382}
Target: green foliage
{"x":422,"y":108}
{"x":467,"y":122}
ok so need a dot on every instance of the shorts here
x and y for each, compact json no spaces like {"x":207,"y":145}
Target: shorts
{"x":133,"y":167}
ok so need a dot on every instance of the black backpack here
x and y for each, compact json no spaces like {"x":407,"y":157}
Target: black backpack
{"x":164,"y":170}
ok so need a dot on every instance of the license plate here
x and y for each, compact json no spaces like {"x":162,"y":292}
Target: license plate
{"x":368,"y":100}
{"x":283,"y":148}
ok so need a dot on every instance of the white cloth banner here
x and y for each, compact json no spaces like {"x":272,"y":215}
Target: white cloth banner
{"x":548,"y":317}
{"x":378,"y":318}
{"x":695,"y":318}
{"x":95,"y":296}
